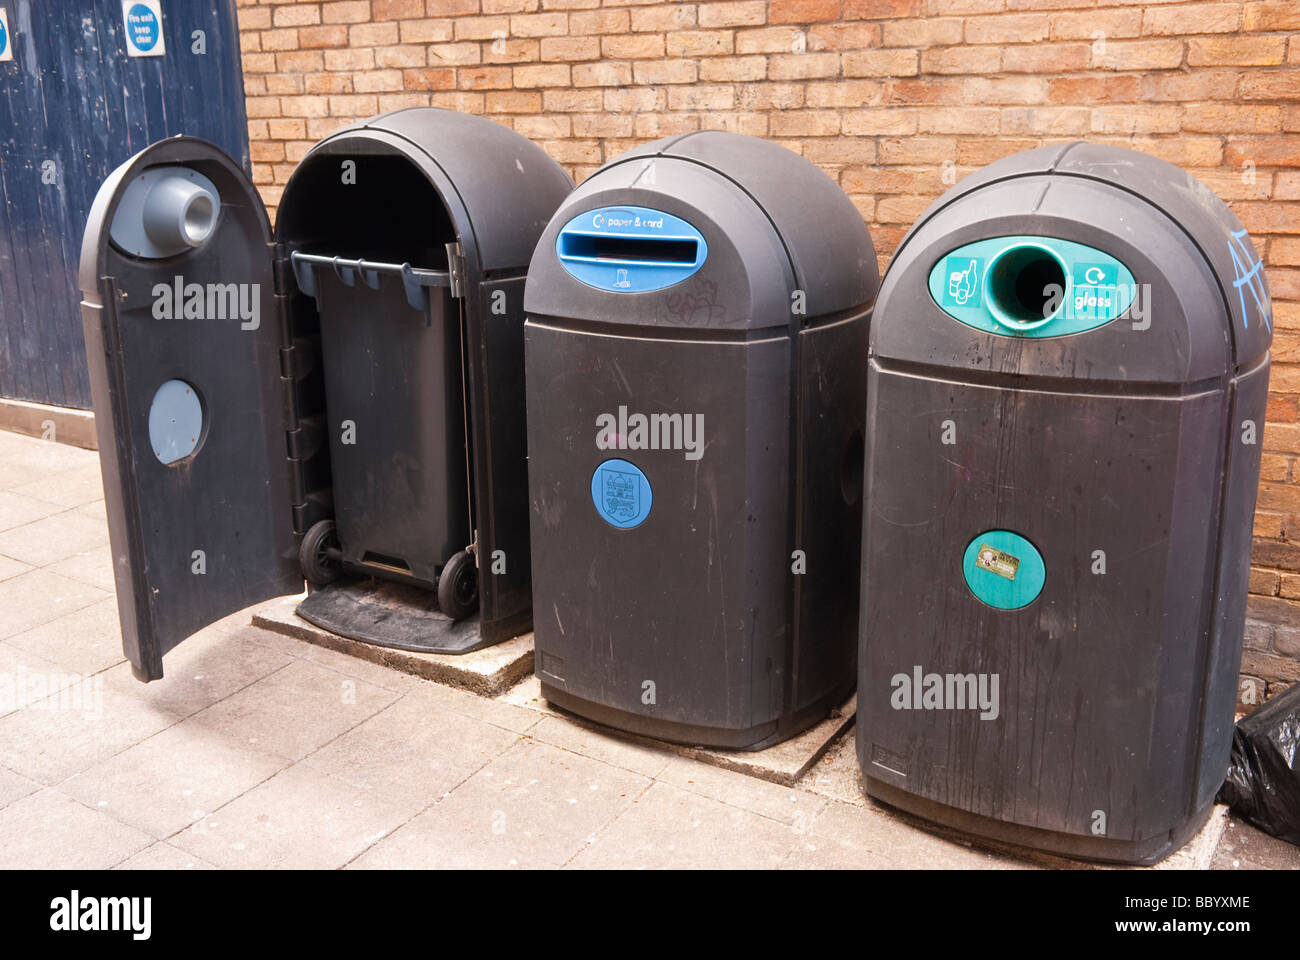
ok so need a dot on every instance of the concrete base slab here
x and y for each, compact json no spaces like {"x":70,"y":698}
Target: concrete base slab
{"x":487,"y":672}
{"x":61,"y":424}
{"x":785,"y":763}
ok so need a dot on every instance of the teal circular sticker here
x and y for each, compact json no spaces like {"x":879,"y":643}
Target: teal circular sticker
{"x":1003,"y":569}
{"x":621,"y":494}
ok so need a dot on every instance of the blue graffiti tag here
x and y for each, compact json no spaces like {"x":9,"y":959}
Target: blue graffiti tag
{"x":1252,"y":278}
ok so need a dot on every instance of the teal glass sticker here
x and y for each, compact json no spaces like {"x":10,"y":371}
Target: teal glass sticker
{"x":1024,"y":286}
{"x":962,"y":287}
{"x":1003,"y":569}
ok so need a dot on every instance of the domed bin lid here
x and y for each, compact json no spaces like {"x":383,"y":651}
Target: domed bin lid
{"x":709,"y":229}
{"x":499,"y":188}
{"x":1183,"y":294}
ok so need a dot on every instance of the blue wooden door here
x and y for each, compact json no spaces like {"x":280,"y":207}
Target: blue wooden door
{"x":73,"y":106}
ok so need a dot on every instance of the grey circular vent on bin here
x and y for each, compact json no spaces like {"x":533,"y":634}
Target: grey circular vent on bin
{"x":165,"y":211}
{"x":175,"y":421}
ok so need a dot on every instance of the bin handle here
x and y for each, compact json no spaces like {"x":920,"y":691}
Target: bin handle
{"x":415,"y":280}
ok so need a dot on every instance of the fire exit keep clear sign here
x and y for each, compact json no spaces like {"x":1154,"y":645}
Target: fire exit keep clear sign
{"x":142,"y":20}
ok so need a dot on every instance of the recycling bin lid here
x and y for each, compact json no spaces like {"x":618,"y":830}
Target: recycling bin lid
{"x":499,"y":187}
{"x":1123,"y":247}
{"x":711,"y":229}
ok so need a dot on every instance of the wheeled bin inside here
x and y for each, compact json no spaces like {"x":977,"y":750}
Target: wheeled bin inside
{"x":696,"y":320}
{"x":344,"y":395}
{"x":1068,"y":375}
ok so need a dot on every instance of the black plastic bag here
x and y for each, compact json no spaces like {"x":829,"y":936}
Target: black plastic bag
{"x":1263,"y":785}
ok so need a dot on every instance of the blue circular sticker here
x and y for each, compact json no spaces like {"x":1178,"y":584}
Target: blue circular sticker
{"x":621,"y":494}
{"x":143,"y":27}
{"x":1003,"y":569}
{"x":4,"y":38}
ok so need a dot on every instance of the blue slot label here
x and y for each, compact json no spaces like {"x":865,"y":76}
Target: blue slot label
{"x":621,"y":494}
{"x":630,"y":249}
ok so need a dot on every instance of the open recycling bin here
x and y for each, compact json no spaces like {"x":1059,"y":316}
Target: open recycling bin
{"x":697,"y":315}
{"x":1067,"y":382}
{"x":341,"y":396}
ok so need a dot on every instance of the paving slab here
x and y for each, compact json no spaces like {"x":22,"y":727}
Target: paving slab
{"x":173,"y":779}
{"x":299,"y":819}
{"x":83,"y":723}
{"x":95,"y":510}
{"x":38,"y":596}
{"x":67,"y":488}
{"x":785,"y":805}
{"x":14,"y":786}
{"x":411,"y":752}
{"x":17,"y":510}
{"x":25,"y":459}
{"x":9,"y":567}
{"x":497,"y":712}
{"x":646,"y":757}
{"x":295,"y":710}
{"x":487,"y":672}
{"x":93,"y":565}
{"x":163,"y":856}
{"x":52,"y":538}
{"x":27,"y":678}
{"x":51,"y":830}
{"x":208,"y":667}
{"x":84,"y":641}
{"x":534,"y":806}
{"x":670,"y":828}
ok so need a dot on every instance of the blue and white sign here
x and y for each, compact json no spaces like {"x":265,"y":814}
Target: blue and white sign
{"x":630,"y":249}
{"x":142,"y":20}
{"x":621,"y":494}
{"x":6,"y":39}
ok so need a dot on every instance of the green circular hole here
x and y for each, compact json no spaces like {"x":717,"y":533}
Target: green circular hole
{"x":1026,"y":286}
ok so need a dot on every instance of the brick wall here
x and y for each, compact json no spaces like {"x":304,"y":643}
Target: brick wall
{"x":895,"y":99}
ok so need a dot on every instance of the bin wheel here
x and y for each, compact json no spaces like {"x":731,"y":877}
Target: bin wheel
{"x":319,"y":554}
{"x":458,"y":586}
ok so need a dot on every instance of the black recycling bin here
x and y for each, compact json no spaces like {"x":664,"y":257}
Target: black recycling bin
{"x":1068,"y":376}
{"x":697,"y":313}
{"x":343,"y":396}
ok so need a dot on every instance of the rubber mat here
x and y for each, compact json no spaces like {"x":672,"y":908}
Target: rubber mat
{"x":390,"y":615}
